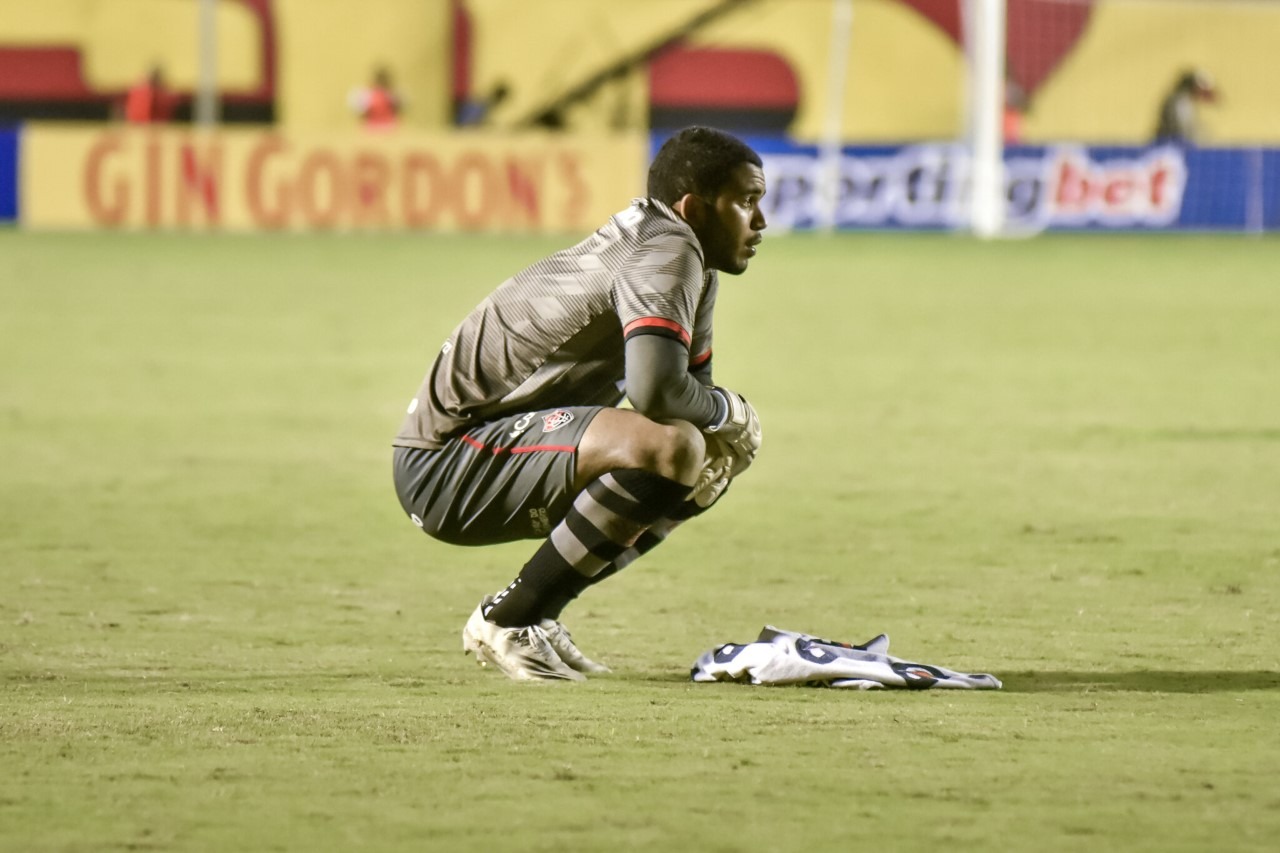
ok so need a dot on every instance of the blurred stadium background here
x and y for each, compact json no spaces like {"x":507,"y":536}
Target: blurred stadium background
{"x":1052,"y":458}
{"x":871,"y":112}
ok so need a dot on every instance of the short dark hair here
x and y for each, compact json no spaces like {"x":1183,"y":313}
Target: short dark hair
{"x":697,"y":160}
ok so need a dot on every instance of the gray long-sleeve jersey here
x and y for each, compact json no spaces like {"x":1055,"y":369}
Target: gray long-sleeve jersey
{"x":627,"y":310}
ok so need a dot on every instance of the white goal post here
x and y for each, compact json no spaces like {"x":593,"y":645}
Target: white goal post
{"x":984,"y":25}
{"x":984,"y":43}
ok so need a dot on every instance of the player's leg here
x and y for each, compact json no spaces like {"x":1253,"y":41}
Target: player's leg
{"x":655,"y":535}
{"x":647,"y":541}
{"x":501,"y":481}
{"x":630,"y":472}
{"x":713,"y":481}
{"x":596,"y":482}
{"x":619,"y":439}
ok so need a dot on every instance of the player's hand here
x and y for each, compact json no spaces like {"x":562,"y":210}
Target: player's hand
{"x":717,"y":470}
{"x":740,"y":430}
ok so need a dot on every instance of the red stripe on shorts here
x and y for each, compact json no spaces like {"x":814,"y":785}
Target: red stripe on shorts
{"x":554,"y":448}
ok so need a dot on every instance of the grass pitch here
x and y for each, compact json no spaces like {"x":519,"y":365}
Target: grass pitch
{"x":1055,"y":460}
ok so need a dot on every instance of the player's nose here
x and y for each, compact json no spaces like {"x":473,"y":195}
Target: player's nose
{"x":758,"y":222}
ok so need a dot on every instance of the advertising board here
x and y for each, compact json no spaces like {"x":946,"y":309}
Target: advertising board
{"x":252,"y":180}
{"x":1063,"y":187}
{"x":8,"y":174}
{"x":110,"y":177}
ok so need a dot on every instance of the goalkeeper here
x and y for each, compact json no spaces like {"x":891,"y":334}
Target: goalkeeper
{"x":515,"y":433}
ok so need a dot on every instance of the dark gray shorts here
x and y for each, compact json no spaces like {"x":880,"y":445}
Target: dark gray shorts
{"x":499,"y":482}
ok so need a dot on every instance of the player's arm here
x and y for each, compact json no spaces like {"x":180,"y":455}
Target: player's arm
{"x":661,"y":297}
{"x":661,"y":387}
{"x":701,"y":371}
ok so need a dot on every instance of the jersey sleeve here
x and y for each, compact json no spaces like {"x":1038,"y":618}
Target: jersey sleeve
{"x":658,"y":291}
{"x":700,"y":346}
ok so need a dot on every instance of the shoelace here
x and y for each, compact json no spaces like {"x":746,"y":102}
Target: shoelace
{"x":532,"y":638}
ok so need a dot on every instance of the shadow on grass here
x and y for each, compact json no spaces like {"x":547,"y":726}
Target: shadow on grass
{"x":1140,"y":681}
{"x":1042,"y":681}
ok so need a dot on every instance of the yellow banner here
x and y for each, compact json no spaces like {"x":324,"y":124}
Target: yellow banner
{"x":248,"y":180}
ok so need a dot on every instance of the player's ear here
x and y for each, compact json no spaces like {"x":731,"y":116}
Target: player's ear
{"x":692,"y":209}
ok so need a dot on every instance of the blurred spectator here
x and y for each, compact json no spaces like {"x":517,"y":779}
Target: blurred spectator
{"x":149,"y":101}
{"x":1178,"y":120}
{"x":378,"y":105}
{"x":475,"y":111}
{"x":1016,"y":105}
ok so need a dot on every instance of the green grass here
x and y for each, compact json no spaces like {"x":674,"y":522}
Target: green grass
{"x":1055,"y":460}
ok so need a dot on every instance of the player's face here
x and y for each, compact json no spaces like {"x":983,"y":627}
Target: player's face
{"x":734,"y":221}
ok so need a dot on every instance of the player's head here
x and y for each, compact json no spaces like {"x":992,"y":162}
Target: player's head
{"x":715,"y":182}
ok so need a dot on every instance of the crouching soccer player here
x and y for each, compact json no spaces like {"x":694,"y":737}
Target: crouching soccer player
{"x":515,"y":433}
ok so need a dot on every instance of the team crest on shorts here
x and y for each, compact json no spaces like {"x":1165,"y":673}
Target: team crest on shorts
{"x":556,"y":419}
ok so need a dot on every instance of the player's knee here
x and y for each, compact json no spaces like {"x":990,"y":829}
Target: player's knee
{"x":674,"y":449}
{"x":615,"y":439}
{"x":680,"y":453}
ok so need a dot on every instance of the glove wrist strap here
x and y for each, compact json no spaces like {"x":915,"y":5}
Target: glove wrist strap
{"x":721,"y":416}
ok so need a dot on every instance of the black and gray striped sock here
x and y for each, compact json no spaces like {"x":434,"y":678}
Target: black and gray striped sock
{"x":607,"y":519}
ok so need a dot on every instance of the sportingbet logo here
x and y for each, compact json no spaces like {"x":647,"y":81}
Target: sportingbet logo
{"x":928,"y":186}
{"x":1067,"y":188}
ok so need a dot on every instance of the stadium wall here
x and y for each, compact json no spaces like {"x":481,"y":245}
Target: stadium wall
{"x":74,"y":59}
{"x":1093,"y":71}
{"x":328,"y":47}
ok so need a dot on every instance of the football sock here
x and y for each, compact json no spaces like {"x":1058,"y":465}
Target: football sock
{"x":648,"y":540}
{"x":607,"y":518}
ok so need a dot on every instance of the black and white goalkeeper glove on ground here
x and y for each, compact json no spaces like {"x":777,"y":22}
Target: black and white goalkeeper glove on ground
{"x":788,"y":657}
{"x":740,"y":428}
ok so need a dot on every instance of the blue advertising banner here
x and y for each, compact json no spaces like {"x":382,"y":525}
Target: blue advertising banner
{"x":1060,"y":187}
{"x":8,"y":174}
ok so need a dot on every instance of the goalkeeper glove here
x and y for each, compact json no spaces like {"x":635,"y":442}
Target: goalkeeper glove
{"x":739,"y":429}
{"x":717,"y":470}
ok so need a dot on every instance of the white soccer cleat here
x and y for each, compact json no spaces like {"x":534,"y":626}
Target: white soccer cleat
{"x":524,"y":654}
{"x":562,"y":642}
